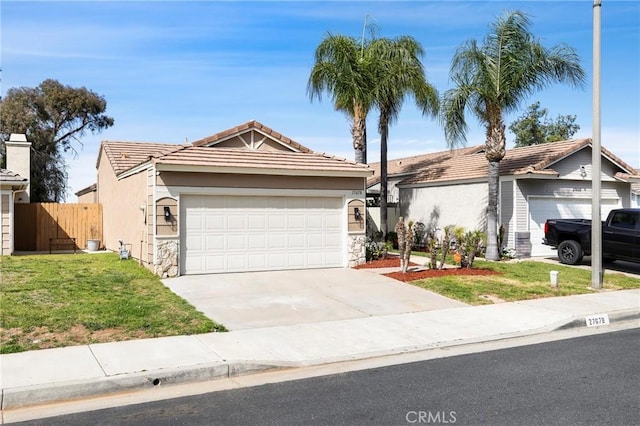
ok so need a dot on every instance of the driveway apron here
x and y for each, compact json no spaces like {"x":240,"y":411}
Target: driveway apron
{"x":275,"y":298}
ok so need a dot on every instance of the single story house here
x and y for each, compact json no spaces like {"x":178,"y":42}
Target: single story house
{"x":14,"y":187}
{"x":88,"y":194}
{"x":551,"y":180}
{"x":245,"y":199}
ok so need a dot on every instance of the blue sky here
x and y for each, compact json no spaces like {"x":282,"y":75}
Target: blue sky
{"x":173,"y":70}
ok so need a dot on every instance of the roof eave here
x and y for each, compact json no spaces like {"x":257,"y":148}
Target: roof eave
{"x":169,"y":167}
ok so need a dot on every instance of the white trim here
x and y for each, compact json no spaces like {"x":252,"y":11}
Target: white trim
{"x":135,"y":170}
{"x":176,"y":191}
{"x":443,"y":183}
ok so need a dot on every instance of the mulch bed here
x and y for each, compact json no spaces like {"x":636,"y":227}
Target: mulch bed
{"x":391,"y":262}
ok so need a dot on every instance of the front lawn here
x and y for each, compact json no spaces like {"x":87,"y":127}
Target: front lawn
{"x":520,"y":281}
{"x":51,"y":301}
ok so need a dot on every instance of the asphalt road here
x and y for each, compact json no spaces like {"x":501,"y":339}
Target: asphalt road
{"x":592,"y":380}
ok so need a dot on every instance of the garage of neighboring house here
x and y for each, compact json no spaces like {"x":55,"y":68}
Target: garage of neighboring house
{"x":543,"y":208}
{"x":245,"y":199}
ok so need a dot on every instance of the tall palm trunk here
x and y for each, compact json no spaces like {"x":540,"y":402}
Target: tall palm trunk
{"x":495,"y":152}
{"x":359,"y":134}
{"x":384,"y":134}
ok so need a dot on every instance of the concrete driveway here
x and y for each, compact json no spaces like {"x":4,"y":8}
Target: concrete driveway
{"x":267,"y":299}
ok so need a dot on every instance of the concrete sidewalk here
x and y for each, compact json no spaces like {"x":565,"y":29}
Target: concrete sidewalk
{"x":49,"y":375}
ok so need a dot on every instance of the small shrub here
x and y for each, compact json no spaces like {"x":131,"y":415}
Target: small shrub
{"x":375,"y":250}
{"x":508,"y":253}
{"x":469,"y":244}
{"x":392,"y":237}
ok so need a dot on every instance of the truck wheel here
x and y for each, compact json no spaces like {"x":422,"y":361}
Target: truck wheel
{"x":569,"y":252}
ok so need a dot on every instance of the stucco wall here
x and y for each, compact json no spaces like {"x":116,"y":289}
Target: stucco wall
{"x":460,"y":205}
{"x":257,"y":181}
{"x":88,"y":198}
{"x":123,"y":218}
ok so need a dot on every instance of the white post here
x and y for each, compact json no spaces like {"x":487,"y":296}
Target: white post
{"x":596,"y":157}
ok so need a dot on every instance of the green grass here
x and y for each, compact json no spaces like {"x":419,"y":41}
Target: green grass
{"x":63,"y":300}
{"x":521,"y":281}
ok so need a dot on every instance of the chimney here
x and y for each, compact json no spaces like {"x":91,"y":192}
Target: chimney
{"x":19,"y":158}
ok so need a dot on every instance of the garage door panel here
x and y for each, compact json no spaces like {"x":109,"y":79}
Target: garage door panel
{"x":256,"y":222}
{"x":277,"y":241}
{"x":215,"y":242}
{"x":295,"y":241}
{"x":541,"y":209}
{"x":276,"y":222}
{"x":237,"y":233}
{"x":296,"y":260}
{"x":236,"y":242}
{"x":214,"y":262}
{"x":295,"y":221}
{"x":214,"y":222}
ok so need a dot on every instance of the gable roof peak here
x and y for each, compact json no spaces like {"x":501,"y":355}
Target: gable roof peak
{"x":247,"y":127}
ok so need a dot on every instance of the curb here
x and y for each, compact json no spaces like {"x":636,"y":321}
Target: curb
{"x":616,"y":316}
{"x":56,"y":392}
{"x":20,"y":397}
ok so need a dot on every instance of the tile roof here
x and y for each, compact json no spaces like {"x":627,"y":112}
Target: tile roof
{"x":256,"y":159}
{"x":249,"y":125}
{"x":124,"y":156}
{"x":91,"y":188}
{"x":410,"y":165}
{"x":535,"y":159}
{"x":9,"y":176}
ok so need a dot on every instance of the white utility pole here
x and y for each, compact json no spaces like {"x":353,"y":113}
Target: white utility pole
{"x":596,"y":157}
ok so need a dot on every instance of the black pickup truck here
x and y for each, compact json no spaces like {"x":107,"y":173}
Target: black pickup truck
{"x":572,"y":237}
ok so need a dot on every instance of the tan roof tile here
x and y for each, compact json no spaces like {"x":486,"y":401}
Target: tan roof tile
{"x":218,"y":137}
{"x":125,"y":155}
{"x":410,"y":165}
{"x":535,"y":159}
{"x":9,"y":176}
{"x":253,"y":159}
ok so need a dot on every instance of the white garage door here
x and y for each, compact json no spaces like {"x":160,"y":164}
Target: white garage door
{"x":541,"y":209}
{"x":246,"y":233}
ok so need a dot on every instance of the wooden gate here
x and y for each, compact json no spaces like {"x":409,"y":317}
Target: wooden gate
{"x":36,"y":223}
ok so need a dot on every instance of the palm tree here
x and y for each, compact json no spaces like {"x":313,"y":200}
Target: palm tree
{"x":492,"y":79}
{"x":342,"y":68}
{"x":399,"y":72}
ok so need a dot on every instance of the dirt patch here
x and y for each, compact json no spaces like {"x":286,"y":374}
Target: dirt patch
{"x":43,"y":338}
{"x":394,"y":262}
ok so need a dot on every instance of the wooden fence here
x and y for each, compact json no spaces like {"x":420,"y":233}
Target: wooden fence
{"x":36,"y":223}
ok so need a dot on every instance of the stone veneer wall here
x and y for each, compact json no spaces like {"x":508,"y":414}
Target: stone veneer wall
{"x":357,"y":250}
{"x":167,"y":258}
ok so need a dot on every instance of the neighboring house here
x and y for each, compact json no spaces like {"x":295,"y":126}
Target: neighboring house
{"x":88,"y":195}
{"x":245,"y":199}
{"x":397,"y":171}
{"x":635,"y":193}
{"x":551,"y":180}
{"x":14,"y":187}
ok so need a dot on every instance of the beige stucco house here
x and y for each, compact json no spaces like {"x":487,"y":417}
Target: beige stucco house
{"x":551,"y":180}
{"x":88,"y":194}
{"x":245,"y":199}
{"x":14,"y":187}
